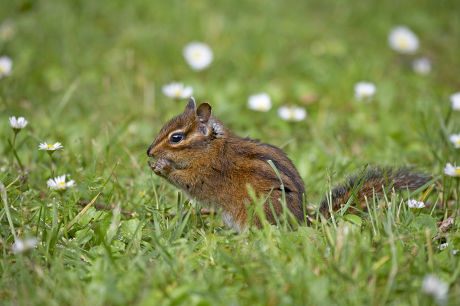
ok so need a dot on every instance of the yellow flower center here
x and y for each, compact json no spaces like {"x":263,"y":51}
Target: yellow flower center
{"x":196,"y":54}
{"x":62,"y":183}
{"x":178,"y":93}
{"x":260,"y":107}
{"x":457,"y":170}
{"x":457,"y":142}
{"x":403,"y":42}
{"x":1,"y":70}
{"x":49,"y":146}
{"x":291,"y":114}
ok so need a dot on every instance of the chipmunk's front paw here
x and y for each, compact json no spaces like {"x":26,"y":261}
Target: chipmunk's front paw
{"x":161,"y":167}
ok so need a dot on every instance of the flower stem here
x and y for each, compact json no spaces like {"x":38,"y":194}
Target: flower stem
{"x":13,"y":145}
{"x":457,"y":202}
{"x":448,"y":116}
{"x":53,"y":165}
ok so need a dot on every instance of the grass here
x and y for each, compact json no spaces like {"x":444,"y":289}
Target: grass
{"x":89,"y":74}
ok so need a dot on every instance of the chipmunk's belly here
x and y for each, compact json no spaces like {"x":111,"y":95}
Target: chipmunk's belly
{"x":230,"y":222}
{"x":210,"y":202}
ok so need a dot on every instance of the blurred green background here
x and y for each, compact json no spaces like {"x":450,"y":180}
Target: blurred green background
{"x":82,"y":67}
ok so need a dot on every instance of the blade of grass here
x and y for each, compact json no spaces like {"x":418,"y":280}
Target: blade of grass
{"x":7,"y":210}
{"x":81,"y":213}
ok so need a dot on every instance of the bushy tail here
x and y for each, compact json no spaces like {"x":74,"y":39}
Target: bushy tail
{"x":372,"y":181}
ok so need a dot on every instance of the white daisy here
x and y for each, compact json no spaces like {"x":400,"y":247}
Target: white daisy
{"x":20,"y":245}
{"x":442,"y":246}
{"x":292,"y":113}
{"x":364,"y":91}
{"x":452,"y":170}
{"x":436,"y":287}
{"x":59,"y":183}
{"x":403,"y":40}
{"x":18,"y":124}
{"x":198,"y":55}
{"x":177,"y":90}
{"x":455,"y":139}
{"x":5,"y":66}
{"x":455,"y":252}
{"x":421,"y":65}
{"x":455,"y":100}
{"x":260,"y":102}
{"x":415,"y":204}
{"x":50,"y":147}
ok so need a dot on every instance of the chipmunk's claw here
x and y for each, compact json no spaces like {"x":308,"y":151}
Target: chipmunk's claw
{"x":161,"y":166}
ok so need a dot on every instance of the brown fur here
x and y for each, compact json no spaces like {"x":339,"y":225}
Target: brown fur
{"x":372,"y":182}
{"x":214,"y":166}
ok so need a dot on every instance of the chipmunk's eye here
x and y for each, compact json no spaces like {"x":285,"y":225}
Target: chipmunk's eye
{"x":176,"y":138}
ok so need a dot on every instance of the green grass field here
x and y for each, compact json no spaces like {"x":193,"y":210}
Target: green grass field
{"x":89,"y":74}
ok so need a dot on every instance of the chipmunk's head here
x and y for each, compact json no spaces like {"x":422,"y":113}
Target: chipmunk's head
{"x":185,"y":139}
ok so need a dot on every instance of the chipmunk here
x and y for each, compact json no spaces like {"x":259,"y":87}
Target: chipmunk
{"x":196,"y":153}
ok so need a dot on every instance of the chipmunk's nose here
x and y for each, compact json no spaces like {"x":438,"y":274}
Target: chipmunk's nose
{"x":150,"y":151}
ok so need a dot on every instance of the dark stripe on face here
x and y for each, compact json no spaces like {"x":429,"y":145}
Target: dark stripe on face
{"x":201,"y":142}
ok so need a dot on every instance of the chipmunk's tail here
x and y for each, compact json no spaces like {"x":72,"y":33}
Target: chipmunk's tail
{"x":371,"y":182}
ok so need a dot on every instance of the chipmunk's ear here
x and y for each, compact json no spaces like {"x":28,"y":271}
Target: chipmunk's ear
{"x":191,"y":106}
{"x":203,"y":113}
